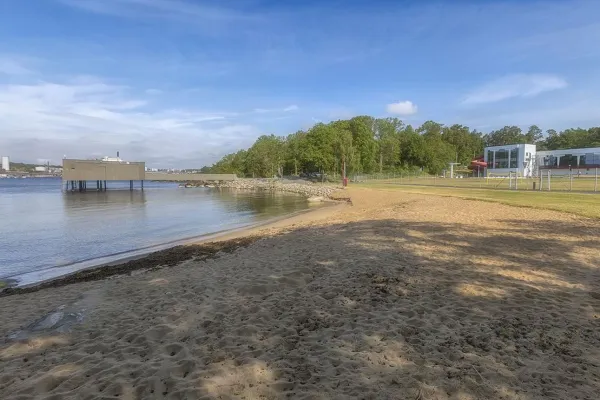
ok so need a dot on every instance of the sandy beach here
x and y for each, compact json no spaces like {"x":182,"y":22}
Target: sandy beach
{"x":398,"y":296}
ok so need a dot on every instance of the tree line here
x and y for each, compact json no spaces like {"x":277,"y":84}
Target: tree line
{"x":367,"y":145}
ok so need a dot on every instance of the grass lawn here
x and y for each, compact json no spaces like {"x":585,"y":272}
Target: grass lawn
{"x":587,"y":205}
{"x":557,"y":183}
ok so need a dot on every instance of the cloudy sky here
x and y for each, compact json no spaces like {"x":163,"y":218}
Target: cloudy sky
{"x":179,"y":83}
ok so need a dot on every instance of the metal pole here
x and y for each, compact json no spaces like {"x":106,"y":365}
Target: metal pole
{"x":509,"y":180}
{"x":596,"y":180}
{"x":541,"y":179}
{"x":570,"y":180}
{"x":516,"y":180}
{"x":142,"y":185}
{"x":549,"y":173}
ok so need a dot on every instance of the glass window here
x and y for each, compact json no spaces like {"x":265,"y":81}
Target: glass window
{"x":550,"y":161}
{"x":502,"y":159}
{"x":490,"y":159}
{"x":568,"y":160}
{"x":514,"y":158}
{"x":582,"y":160}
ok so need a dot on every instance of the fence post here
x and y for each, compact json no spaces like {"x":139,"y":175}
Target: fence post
{"x":541,"y":180}
{"x":596,"y":180}
{"x":549,"y":174}
{"x":570,"y":180}
{"x":516,"y":181}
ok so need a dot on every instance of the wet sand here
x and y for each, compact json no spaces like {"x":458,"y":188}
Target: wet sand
{"x":396,"y":297}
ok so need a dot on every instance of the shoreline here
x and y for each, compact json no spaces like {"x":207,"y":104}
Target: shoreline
{"x":466,"y":300}
{"x":170,"y":253}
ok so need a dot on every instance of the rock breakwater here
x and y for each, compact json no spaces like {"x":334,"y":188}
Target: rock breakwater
{"x":304,"y":188}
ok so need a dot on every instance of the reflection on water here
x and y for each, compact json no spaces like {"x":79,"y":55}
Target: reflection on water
{"x":44,"y":227}
{"x":104,"y":200}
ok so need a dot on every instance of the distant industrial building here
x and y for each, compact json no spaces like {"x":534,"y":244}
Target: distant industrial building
{"x":41,"y":169}
{"x":92,"y":170}
{"x":5,"y":163}
{"x":79,"y":172}
{"x":526,"y":161}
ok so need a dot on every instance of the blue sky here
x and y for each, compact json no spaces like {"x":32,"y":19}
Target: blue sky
{"x":179,"y":83}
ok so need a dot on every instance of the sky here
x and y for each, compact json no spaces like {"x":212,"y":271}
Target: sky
{"x":180,"y":83}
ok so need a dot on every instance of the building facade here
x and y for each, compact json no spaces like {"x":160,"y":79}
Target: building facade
{"x":563,"y":162}
{"x":526,"y":161}
{"x":5,"y":163}
{"x":91,"y":170}
{"x":519,"y":158}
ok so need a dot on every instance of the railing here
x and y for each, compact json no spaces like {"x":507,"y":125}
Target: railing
{"x":546,"y":181}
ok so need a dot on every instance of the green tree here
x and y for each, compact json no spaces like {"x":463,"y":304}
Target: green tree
{"x":437,"y":153}
{"x":363,"y":137}
{"x":317,"y":151}
{"x":387,"y":133}
{"x":293,"y":152}
{"x":504,"y":136}
{"x":412,"y":148}
{"x":265,"y":157}
{"x":534,"y":134}
{"x":366,"y":144}
{"x":467,"y":144}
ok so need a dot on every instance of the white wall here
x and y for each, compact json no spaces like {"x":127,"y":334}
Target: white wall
{"x":525,"y":161}
{"x":5,"y":163}
{"x":592,"y":160}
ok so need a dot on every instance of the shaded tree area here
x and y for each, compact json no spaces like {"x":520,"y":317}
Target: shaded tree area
{"x":364,"y":144}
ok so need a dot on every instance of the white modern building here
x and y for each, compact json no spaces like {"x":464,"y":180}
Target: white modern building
{"x":563,"y":162}
{"x":519,"y":158}
{"x":526,"y":161}
{"x":5,"y":163}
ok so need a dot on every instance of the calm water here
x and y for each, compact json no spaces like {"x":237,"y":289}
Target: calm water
{"x":45,"y":232}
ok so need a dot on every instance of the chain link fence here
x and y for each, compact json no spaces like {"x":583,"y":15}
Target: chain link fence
{"x":547,"y":180}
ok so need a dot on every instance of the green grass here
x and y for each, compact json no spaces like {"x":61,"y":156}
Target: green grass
{"x":557,"y":183}
{"x":587,"y":205}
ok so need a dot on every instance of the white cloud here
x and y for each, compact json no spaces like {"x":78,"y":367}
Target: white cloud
{"x":86,"y":118}
{"x":402,"y":108}
{"x":175,"y":9}
{"x":12,"y":66}
{"x":290,"y":108}
{"x":518,"y":85}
